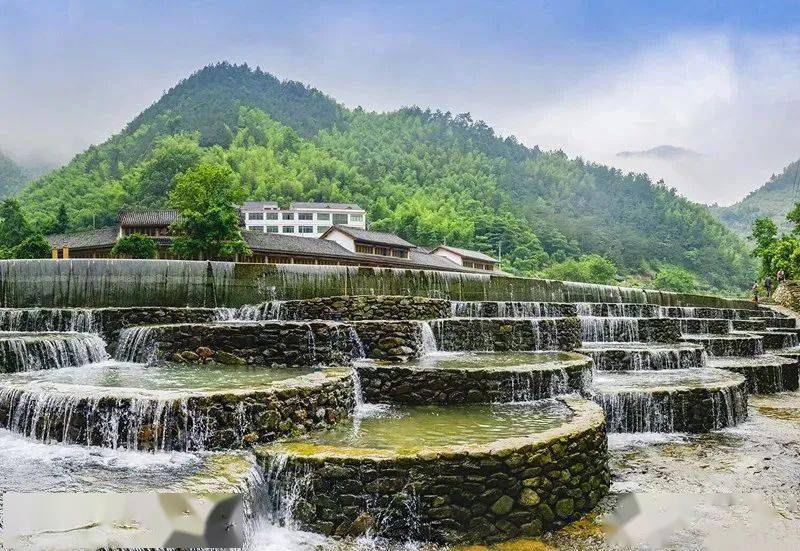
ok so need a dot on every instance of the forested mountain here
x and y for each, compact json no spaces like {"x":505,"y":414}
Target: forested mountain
{"x":772,"y":200}
{"x":430,"y":176}
{"x":12,"y":176}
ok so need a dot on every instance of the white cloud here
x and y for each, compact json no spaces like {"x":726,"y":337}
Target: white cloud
{"x":730,"y":98}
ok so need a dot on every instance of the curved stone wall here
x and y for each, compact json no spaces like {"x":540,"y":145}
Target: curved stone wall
{"x":361,"y":307}
{"x":400,"y":384}
{"x":736,"y":344}
{"x":498,"y":335}
{"x":636,"y":356}
{"x":142,"y":420}
{"x":686,"y":400}
{"x":462,"y":494}
{"x":289,"y":343}
{"x":766,"y":374}
{"x":706,"y":326}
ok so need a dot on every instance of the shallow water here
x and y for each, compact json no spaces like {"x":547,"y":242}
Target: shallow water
{"x":174,"y":377}
{"x":621,"y":381}
{"x":411,"y":428}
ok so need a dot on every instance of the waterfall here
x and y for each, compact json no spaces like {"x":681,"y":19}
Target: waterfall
{"x":602,"y":329}
{"x":427,"y":340}
{"x":284,"y":486}
{"x":511,"y":309}
{"x":46,"y":351}
{"x":532,"y":385}
{"x":271,"y":310}
{"x":135,"y":345}
{"x":79,"y":320}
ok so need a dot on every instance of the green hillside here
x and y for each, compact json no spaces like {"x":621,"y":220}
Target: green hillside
{"x":772,"y":200}
{"x":429,"y":176}
{"x":12,"y":176}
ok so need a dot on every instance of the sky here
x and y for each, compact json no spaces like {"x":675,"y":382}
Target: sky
{"x":719,"y":79}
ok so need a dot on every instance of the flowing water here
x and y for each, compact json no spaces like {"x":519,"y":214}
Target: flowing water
{"x":38,"y":351}
{"x":48,"y":319}
{"x":135,"y":345}
{"x":604,"y":329}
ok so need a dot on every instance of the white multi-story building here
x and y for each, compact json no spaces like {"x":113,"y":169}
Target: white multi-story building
{"x":301,"y":219}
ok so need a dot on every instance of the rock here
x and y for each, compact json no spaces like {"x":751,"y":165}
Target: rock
{"x":204,"y":352}
{"x":565,"y":508}
{"x":529,"y":498}
{"x":250,"y":438}
{"x":502,"y":506}
{"x":190,"y":356}
{"x":228,"y":358}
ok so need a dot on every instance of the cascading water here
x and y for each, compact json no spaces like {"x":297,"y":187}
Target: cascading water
{"x":604,"y":329}
{"x":135,"y":345}
{"x":510,"y":309}
{"x":264,"y":311}
{"x":427,"y":340}
{"x":48,"y":319}
{"x":49,"y":351}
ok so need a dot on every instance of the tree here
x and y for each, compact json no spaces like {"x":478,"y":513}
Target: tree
{"x":33,"y":246}
{"x":135,"y":245}
{"x":675,"y":278}
{"x":14,"y":228}
{"x":207,"y":227}
{"x":61,"y":223}
{"x":591,"y":268}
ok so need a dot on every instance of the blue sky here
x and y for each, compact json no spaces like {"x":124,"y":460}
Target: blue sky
{"x":591,"y":78}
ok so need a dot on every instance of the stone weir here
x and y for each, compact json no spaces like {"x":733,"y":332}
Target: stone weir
{"x":625,"y":356}
{"x":683,"y":400}
{"x":512,"y":309}
{"x":476,"y":378}
{"x":499,"y":335}
{"x":348,"y":308}
{"x":188,"y":419}
{"x":733,"y":344}
{"x":536,"y":468}
{"x":604,"y":329}
{"x":766,"y":374}
{"x":35,"y":351}
{"x":117,"y":282}
{"x":285,"y":343}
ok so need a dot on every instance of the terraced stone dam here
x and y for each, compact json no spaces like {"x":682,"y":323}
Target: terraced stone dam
{"x":386,"y":410}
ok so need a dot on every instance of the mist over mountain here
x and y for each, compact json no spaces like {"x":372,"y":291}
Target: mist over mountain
{"x":662,"y":152}
{"x":430,"y":176}
{"x":772,"y":200}
{"x":12,"y":176}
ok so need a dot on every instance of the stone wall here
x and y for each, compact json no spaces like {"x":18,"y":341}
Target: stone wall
{"x":423,"y":386}
{"x":765,"y":374}
{"x":730,"y":345}
{"x":391,"y":340}
{"x":110,"y":321}
{"x":498,"y":335}
{"x":699,"y":325}
{"x":262,"y":343}
{"x":349,"y":308}
{"x":212,"y":421}
{"x":788,"y":295}
{"x":519,"y":487}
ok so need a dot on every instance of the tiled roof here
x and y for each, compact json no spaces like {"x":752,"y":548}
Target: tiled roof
{"x":279,"y":243}
{"x":251,"y":206}
{"x":466,"y":253}
{"x":147,"y":218}
{"x":434,"y":261}
{"x":102,"y":237}
{"x":374,"y":237}
{"x":338,"y":206}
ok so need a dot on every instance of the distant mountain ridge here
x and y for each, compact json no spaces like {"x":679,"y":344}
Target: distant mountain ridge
{"x":663,"y":152}
{"x":12,"y":176}
{"x":772,"y":200}
{"x":429,"y":176}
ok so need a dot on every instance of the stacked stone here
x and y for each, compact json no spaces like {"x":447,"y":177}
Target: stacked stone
{"x":500,"y":335}
{"x":394,"y":341}
{"x":466,"y":494}
{"x":366,"y":308}
{"x":262,"y":343}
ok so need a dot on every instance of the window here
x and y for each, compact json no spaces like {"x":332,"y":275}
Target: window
{"x":288,"y":216}
{"x":271,"y":216}
{"x":305,"y":215}
{"x":356,"y":217}
{"x":340,"y":219}
{"x":323,"y":216}
{"x":364,"y":249}
{"x":400,"y":253}
{"x":383,"y":251}
{"x":288,"y":229}
{"x":272,"y":229}
{"x":306,"y":229}
{"x":256,"y":216}
{"x":256,"y":228}
{"x":322,"y":229}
